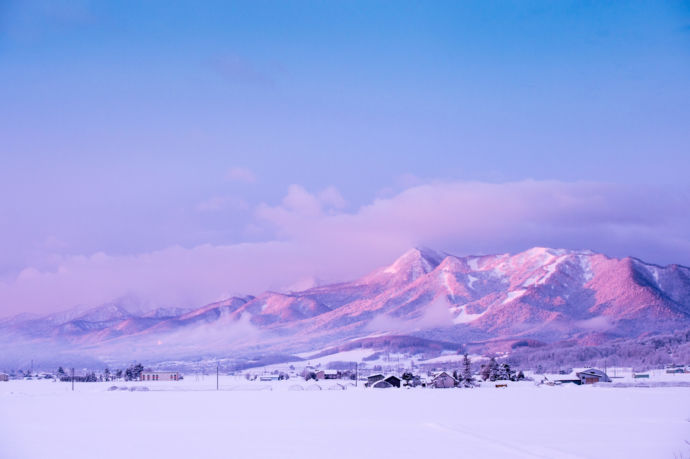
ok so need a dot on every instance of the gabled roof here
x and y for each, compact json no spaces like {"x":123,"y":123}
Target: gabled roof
{"x":592,"y":372}
{"x":442,"y":373}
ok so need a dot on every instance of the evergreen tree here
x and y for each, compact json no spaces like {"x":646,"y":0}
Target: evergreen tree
{"x":61,"y":372}
{"x":486,"y":371}
{"x":137,"y":370}
{"x":505,"y":373}
{"x":106,"y":373}
{"x":493,"y":369}
{"x":467,"y":379}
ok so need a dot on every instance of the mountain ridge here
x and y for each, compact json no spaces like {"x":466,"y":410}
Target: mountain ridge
{"x":541,"y":294}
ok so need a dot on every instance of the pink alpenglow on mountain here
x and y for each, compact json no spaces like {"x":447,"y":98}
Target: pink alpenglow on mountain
{"x":424,"y":297}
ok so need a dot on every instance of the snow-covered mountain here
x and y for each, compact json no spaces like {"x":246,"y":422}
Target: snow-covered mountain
{"x":425,"y":297}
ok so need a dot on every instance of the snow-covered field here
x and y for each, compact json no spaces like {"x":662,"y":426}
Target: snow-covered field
{"x":190,"y":419}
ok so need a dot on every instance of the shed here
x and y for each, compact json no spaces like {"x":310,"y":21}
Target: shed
{"x":4,"y":377}
{"x":443,"y":380}
{"x":592,"y":376}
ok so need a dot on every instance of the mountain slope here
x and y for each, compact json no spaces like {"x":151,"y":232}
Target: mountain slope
{"x":540,"y":295}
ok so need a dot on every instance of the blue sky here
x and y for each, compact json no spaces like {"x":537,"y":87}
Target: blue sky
{"x":133,"y":127}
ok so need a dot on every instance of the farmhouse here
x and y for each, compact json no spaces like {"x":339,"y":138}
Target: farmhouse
{"x":592,"y":376}
{"x":148,"y":375}
{"x":4,"y":377}
{"x":443,"y":380}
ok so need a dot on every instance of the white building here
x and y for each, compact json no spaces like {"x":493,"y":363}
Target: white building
{"x":592,"y":376}
{"x":149,"y":375}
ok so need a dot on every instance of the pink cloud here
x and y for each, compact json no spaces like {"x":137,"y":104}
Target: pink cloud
{"x":311,"y":238}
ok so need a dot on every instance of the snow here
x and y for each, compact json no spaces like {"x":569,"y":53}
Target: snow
{"x":463,"y":316}
{"x":514,"y":294}
{"x":473,"y":263}
{"x":271,"y":420}
{"x":471,"y":280}
{"x":444,"y":278}
{"x":586,"y":266}
{"x":354,"y":355}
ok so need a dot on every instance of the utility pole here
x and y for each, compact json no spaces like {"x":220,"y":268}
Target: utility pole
{"x":356,"y":373}
{"x":217,"y":371}
{"x":72,"y":379}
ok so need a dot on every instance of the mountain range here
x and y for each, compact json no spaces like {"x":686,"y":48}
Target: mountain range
{"x":424,"y":301}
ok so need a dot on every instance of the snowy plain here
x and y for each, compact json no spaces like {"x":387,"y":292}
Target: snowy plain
{"x":190,"y":419}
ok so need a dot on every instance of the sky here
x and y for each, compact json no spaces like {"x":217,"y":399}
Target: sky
{"x":173,"y":155}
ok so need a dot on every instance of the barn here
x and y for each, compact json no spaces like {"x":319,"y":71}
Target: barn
{"x":4,"y":377}
{"x":592,"y":376}
{"x":149,"y":375}
{"x":443,"y":380}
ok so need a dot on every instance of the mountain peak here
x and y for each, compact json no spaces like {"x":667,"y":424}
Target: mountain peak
{"x":415,"y":262}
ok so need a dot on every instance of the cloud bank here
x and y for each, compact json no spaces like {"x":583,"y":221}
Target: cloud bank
{"x":312,"y":236}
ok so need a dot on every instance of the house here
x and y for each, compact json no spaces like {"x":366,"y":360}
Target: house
{"x":331,"y":374}
{"x":4,"y":377}
{"x":269,"y":378}
{"x":149,"y":375}
{"x":382,"y":384}
{"x":641,"y":375}
{"x":592,"y":376}
{"x":327,"y":374}
{"x":373,"y":379}
{"x":443,"y":380}
{"x":393,"y":381}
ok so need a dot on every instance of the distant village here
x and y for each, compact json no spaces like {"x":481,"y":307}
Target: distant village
{"x":490,"y":372}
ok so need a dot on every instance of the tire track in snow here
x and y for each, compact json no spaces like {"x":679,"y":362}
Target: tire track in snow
{"x":501,"y":448}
